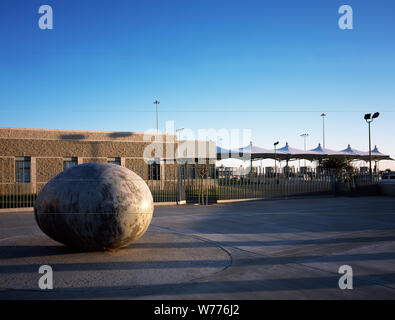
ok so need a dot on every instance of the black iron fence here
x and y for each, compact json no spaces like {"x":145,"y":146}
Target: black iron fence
{"x":192,"y":183}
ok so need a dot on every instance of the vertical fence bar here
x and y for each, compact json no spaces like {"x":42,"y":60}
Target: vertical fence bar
{"x":2,"y":184}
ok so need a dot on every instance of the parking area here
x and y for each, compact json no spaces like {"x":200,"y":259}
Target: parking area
{"x":271,"y":249}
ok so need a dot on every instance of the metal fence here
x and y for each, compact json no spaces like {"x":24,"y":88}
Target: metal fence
{"x":233,"y":184}
{"x":188,"y":183}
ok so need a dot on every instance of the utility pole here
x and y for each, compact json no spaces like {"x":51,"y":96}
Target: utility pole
{"x":323,"y":115}
{"x":156,"y":102}
{"x":369,"y":118}
{"x":178,"y":133}
{"x":304,"y":135}
{"x":275,"y":158}
{"x":251,"y":157}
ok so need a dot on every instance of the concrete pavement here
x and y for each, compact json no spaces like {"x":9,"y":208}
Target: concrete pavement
{"x":274,"y":249}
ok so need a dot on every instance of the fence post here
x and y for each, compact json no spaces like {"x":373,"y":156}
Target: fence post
{"x":333,"y":182}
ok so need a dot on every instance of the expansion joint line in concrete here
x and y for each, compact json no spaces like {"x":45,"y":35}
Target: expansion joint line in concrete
{"x":262,"y":255}
{"x":207,"y":241}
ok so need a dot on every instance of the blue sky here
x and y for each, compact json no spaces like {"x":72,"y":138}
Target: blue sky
{"x":269,"y":66}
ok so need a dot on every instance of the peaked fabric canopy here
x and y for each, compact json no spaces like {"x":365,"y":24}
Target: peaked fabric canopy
{"x":249,"y":151}
{"x":376,"y":155}
{"x":296,"y":153}
{"x":350,"y":152}
{"x":320,"y":151}
{"x":261,"y":153}
{"x":289,"y":153}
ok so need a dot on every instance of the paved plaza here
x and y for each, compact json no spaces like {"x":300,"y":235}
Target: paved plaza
{"x":271,"y":249}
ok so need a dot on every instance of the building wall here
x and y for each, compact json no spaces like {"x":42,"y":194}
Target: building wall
{"x":93,"y":159}
{"x":137,"y":165}
{"x":48,"y":148}
{"x":83,"y":135}
{"x":7,"y":169}
{"x":7,"y":175}
{"x":76,"y":148}
{"x":44,"y":170}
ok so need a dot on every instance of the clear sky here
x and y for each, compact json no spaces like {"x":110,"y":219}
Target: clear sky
{"x":269,"y":66}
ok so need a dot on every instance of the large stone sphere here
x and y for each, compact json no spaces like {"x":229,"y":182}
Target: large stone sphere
{"x":95,"y":206}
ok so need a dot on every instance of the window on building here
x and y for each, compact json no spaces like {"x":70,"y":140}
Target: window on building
{"x":69,"y":162}
{"x":22,"y":169}
{"x":192,"y":171}
{"x":116,"y":160}
{"x":212,"y":172}
{"x":183,"y":171}
{"x":154,"y":171}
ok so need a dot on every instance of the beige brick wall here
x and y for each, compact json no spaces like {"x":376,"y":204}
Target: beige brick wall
{"x":7,"y":169}
{"x":62,"y":148}
{"x":47,"y":148}
{"x":47,"y":168}
{"x":87,"y":160}
{"x":82,"y":135}
{"x":138,"y":166}
{"x":33,"y":174}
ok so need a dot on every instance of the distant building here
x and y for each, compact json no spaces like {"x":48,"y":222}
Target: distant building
{"x":31,"y":157}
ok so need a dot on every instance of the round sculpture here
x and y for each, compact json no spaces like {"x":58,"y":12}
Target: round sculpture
{"x":95,"y":206}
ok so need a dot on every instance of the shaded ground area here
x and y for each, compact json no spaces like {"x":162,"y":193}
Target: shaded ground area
{"x":275,"y":249}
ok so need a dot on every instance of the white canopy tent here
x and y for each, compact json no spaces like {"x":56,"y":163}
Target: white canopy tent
{"x":376,"y":155}
{"x":289,"y":153}
{"x":321,"y":152}
{"x":293,"y":153}
{"x":351,"y":153}
{"x":248,"y":152}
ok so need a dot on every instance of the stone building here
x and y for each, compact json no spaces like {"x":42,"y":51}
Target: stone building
{"x":29,"y":158}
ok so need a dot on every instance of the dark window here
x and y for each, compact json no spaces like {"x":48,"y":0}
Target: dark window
{"x":212,"y":172}
{"x":22,"y":169}
{"x":154,"y":171}
{"x":69,"y":162}
{"x":192,"y":171}
{"x":114,"y":160}
{"x":183,"y":171}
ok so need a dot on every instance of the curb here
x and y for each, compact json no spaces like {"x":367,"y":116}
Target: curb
{"x":17,"y":210}
{"x":240,"y":200}
{"x":31,"y":209}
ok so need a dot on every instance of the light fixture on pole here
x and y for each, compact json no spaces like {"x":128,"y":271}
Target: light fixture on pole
{"x":178,"y":132}
{"x":369,"y":118}
{"x":275,"y":160}
{"x":323,"y":115}
{"x":250,"y":156}
{"x":156,"y":102}
{"x":304,"y":135}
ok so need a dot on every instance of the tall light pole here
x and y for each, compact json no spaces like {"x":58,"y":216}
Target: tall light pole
{"x":156,"y":102}
{"x":275,"y":160}
{"x":251,"y":157}
{"x":178,"y":132}
{"x":323,"y":115}
{"x":304,"y":135}
{"x":369,"y":118}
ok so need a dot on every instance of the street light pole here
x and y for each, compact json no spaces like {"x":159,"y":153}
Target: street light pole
{"x":304,"y":135}
{"x":156,"y":102}
{"x":178,"y":132}
{"x":370,"y":153}
{"x":275,"y":158}
{"x":250,"y":157}
{"x":369,"y":118}
{"x":323,"y":115}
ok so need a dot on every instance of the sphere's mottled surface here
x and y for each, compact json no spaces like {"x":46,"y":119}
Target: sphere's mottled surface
{"x":95,"y":206}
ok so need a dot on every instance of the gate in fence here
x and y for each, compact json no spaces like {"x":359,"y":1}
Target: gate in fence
{"x":182,"y":183}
